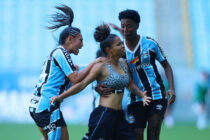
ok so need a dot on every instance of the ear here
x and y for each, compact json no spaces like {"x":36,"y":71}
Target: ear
{"x":69,"y":38}
{"x":137,"y":26}
{"x":108,"y":49}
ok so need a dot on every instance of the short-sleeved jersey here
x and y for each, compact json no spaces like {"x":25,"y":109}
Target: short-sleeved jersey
{"x":54,"y":77}
{"x":143,"y":69}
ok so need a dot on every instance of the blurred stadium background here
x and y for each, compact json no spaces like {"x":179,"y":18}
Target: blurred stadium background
{"x":180,"y":26}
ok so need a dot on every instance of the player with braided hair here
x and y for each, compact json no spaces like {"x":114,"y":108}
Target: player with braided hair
{"x":57,"y":75}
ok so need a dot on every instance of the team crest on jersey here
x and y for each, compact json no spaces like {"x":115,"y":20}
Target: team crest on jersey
{"x":145,"y":55}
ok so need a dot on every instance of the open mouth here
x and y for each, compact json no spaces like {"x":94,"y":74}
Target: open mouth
{"x":126,"y":35}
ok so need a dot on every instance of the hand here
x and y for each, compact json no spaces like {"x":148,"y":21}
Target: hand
{"x":172,"y":95}
{"x":116,"y":28}
{"x":103,"y":91}
{"x":146,"y":99}
{"x":54,"y":99}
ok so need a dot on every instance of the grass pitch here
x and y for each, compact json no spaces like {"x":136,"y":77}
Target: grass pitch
{"x":180,"y":131}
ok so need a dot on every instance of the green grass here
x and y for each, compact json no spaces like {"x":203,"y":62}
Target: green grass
{"x":76,"y":132}
{"x":184,"y":132}
{"x":31,"y":132}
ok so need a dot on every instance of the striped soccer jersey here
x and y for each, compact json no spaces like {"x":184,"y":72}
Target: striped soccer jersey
{"x":53,"y":79}
{"x":143,"y":69}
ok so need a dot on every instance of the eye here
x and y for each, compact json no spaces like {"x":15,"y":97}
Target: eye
{"x":119,"y":43}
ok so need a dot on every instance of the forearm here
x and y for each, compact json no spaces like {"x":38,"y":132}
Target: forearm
{"x":83,"y":73}
{"x":82,"y":84}
{"x":72,"y":91}
{"x":169,"y":75}
{"x":135,"y":90}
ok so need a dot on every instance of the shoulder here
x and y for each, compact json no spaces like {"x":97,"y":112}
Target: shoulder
{"x":99,"y":70}
{"x":150,"y":39}
{"x":146,"y":40}
{"x":153,"y":44}
{"x":58,"y":52}
{"x":124,"y":62}
{"x":99,"y":66}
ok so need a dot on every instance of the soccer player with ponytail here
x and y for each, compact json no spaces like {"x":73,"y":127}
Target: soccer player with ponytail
{"x":58,"y":74}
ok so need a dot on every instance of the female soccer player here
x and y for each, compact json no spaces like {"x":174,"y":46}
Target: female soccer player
{"x":57,"y":75}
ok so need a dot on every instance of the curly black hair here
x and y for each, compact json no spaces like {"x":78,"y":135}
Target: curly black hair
{"x":130,"y":14}
{"x":102,"y":34}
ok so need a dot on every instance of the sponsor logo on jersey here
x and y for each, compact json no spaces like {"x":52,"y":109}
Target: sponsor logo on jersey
{"x":141,"y":66}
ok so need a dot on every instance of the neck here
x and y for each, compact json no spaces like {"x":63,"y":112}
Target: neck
{"x":131,"y":43}
{"x":113,"y":59}
{"x":67,"y":48}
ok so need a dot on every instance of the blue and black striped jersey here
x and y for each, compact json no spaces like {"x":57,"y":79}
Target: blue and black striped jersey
{"x":143,"y":69}
{"x":54,"y":77}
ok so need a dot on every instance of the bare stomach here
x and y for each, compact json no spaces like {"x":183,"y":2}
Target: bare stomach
{"x":113,"y":101}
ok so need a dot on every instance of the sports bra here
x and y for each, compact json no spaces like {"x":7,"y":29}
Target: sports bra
{"x":115,"y":80}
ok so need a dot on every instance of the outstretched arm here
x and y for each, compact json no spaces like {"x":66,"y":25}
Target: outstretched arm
{"x":93,"y":74}
{"x":116,"y":28}
{"x":169,"y":75}
{"x":135,"y":90}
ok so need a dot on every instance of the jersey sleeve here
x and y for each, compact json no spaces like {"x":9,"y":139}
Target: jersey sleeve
{"x":63,"y":60}
{"x":160,"y":56}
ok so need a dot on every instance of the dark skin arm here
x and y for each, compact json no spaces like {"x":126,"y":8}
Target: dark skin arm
{"x":169,"y":74}
{"x":102,"y":90}
{"x":136,"y":91}
{"x":116,"y":28}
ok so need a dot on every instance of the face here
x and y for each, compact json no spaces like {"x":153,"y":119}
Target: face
{"x":76,"y":44}
{"x":129,"y":28}
{"x":117,"y":48}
